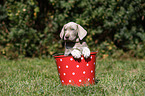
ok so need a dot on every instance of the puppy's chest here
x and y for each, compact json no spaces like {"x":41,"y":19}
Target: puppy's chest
{"x":72,"y":45}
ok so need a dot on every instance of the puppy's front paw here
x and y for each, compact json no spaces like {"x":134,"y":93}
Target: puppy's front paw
{"x":76,"y":54}
{"x":86,"y":52}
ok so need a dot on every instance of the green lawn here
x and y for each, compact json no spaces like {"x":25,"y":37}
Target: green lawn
{"x":39,"y":77}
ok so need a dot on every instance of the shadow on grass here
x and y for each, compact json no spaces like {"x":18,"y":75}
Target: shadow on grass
{"x":97,"y":81}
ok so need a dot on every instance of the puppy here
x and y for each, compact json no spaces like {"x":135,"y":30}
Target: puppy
{"x":73,"y":35}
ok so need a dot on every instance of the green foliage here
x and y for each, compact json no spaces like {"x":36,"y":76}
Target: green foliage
{"x":31,"y":27}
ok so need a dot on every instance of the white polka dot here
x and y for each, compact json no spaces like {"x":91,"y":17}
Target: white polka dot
{"x":80,"y":80}
{"x":84,"y":72}
{"x":88,"y":79}
{"x":73,"y":73}
{"x":81,"y":58}
{"x":77,"y":66}
{"x":91,"y":71}
{"x":93,"y":78}
{"x":94,"y":63}
{"x":59,"y":73}
{"x":91,"y":57}
{"x":71,"y":59}
{"x":60,"y":59}
{"x":62,"y":81}
{"x":69,"y":80}
{"x":59,"y":67}
{"x":66,"y":66}
{"x":64,"y":73}
{"x":87,"y":64}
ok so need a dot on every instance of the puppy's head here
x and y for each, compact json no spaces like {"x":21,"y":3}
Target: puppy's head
{"x":71,"y":31}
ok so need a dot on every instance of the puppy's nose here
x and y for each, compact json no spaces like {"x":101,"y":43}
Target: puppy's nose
{"x":66,"y":36}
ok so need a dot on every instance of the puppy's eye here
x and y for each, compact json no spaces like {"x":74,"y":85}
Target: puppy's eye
{"x":72,"y":29}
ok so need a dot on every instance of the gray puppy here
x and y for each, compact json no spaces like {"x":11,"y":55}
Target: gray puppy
{"x":73,"y":35}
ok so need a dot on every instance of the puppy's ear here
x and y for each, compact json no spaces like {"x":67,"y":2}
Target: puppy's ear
{"x":81,"y":32}
{"x":62,"y":32}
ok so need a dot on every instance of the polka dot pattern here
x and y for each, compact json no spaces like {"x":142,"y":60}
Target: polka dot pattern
{"x":76,"y":71}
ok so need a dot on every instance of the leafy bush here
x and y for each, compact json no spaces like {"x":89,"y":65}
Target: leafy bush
{"x":31,"y":27}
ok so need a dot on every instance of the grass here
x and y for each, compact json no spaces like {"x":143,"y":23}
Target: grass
{"x":39,"y":77}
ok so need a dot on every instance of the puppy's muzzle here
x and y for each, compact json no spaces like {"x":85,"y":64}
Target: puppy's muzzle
{"x":66,"y":37}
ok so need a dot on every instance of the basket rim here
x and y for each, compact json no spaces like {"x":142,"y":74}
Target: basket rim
{"x":61,"y":55}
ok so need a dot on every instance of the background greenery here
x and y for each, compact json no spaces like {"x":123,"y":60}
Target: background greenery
{"x":31,"y":27}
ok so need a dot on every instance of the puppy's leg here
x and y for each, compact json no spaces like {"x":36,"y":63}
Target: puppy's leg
{"x":86,"y":52}
{"x":76,"y":54}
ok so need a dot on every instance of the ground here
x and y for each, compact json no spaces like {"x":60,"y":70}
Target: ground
{"x":39,"y":77}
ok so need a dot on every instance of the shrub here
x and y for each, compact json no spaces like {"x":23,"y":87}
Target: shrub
{"x":31,"y":27}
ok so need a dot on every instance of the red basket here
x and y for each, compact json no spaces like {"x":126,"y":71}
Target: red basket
{"x":76,"y":71}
